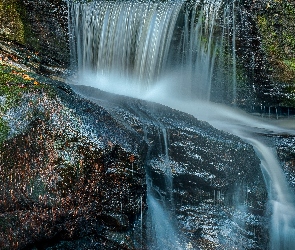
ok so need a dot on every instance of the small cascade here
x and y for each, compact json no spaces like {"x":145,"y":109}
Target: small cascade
{"x":167,"y":167}
{"x":281,"y":201}
{"x":164,"y":235}
{"x":161,"y":231}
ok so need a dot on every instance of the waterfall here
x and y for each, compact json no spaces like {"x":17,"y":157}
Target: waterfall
{"x":144,"y":41}
{"x":167,"y":52}
{"x":131,"y":38}
{"x":282,"y":222}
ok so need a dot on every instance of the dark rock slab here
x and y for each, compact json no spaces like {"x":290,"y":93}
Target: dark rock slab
{"x":76,"y":172}
{"x":66,"y":173}
{"x":210,"y":179}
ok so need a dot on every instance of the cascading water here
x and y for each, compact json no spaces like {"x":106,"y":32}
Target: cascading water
{"x":130,"y":38}
{"x":162,"y":229}
{"x":167,"y":171}
{"x":282,"y":224}
{"x":165,"y":51}
{"x":281,"y":198}
{"x":144,"y":41}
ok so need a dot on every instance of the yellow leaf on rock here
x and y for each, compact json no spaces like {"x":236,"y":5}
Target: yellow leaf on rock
{"x":28,"y":78}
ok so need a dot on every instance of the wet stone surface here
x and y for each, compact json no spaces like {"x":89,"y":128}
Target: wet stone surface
{"x":211,"y":180}
{"x":76,"y":173}
{"x":65,"y":178}
{"x":285,"y":146}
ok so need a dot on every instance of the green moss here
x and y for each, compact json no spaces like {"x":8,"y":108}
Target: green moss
{"x":11,"y":24}
{"x":12,"y":86}
{"x":4,"y":129}
{"x":276,"y":24}
{"x":290,"y":64}
{"x":15,"y":82}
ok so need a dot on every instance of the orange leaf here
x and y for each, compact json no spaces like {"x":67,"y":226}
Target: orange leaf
{"x":28,"y":78}
{"x":131,"y":158}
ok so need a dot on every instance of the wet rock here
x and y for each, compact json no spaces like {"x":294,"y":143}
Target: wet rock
{"x":39,"y":27}
{"x":47,"y":24}
{"x":210,"y":179}
{"x":62,"y":179}
{"x":76,"y":173}
{"x":115,"y":221}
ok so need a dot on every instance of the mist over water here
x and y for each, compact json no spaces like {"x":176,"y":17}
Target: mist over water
{"x":142,"y":42}
{"x":165,"y":52}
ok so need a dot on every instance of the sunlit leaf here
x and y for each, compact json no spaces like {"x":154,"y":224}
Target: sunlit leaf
{"x":27,"y":77}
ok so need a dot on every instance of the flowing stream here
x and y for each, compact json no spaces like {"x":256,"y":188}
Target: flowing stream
{"x":165,"y":51}
{"x":281,"y":198}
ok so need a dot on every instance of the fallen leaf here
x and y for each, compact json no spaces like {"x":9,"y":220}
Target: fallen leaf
{"x":131,"y":158}
{"x":27,"y":77}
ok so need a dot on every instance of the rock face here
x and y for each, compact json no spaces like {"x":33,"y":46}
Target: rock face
{"x":62,"y":180}
{"x":208,"y":180}
{"x":78,"y":174}
{"x":273,"y":22}
{"x":40,"y":26}
{"x":285,"y":146}
{"x":48,"y":27}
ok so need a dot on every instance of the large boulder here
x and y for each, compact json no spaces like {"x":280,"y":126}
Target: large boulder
{"x":68,"y":171}
{"x":77,"y":173}
{"x":209,"y":181}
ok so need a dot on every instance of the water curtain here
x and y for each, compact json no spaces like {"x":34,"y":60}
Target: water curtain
{"x":144,"y":41}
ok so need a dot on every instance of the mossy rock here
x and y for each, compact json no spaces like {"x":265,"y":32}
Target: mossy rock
{"x":276,"y":24}
{"x":41,"y":26}
{"x":11,"y":23}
